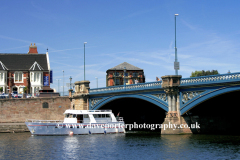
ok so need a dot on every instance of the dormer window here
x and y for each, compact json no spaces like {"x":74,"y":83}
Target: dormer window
{"x":18,"y":77}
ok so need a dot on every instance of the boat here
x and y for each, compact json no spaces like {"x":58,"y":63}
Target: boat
{"x":77,"y":122}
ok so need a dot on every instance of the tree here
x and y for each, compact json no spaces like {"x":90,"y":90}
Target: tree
{"x":1,"y":89}
{"x":204,"y":73}
{"x":25,"y":89}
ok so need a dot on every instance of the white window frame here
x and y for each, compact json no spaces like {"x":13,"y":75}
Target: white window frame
{"x":17,"y":81}
{"x":1,"y":76}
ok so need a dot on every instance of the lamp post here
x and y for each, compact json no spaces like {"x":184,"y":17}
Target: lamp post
{"x":70,"y":82}
{"x":176,"y":63}
{"x":58,"y":83}
{"x":63,"y":82}
{"x":84,"y":59}
{"x":124,"y":77}
{"x":115,"y":77}
{"x":97,"y":81}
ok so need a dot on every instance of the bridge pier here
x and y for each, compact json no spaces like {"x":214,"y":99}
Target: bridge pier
{"x":171,"y":87}
{"x":79,"y":100}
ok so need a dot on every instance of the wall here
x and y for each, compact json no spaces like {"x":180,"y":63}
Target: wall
{"x":18,"y":110}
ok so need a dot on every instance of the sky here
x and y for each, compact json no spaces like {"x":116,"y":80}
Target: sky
{"x":140,"y":32}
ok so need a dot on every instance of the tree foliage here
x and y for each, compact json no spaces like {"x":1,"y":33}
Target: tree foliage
{"x":25,"y":89}
{"x":203,"y":73}
{"x":1,"y":89}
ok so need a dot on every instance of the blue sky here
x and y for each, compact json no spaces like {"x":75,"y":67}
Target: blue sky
{"x":140,"y":32}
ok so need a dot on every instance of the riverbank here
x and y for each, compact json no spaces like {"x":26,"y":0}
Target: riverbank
{"x":13,"y":127}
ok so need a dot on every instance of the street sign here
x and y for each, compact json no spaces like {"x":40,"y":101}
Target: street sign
{"x":176,"y":65}
{"x":45,"y":81}
{"x":51,"y":76}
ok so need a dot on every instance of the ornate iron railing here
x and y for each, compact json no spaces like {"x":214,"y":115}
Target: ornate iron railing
{"x":131,"y":87}
{"x":219,"y":78}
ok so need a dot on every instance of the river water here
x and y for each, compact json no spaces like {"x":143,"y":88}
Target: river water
{"x":132,"y":145}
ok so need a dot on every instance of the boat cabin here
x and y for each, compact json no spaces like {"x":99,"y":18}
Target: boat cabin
{"x":89,"y":116}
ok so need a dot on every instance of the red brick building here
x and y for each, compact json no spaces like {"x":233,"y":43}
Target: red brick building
{"x":31,"y":70}
{"x":133,"y":74}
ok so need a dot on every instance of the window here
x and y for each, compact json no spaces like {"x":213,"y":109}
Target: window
{"x":117,"y":82}
{"x":18,"y":77}
{"x":1,"y":77}
{"x":126,"y":74}
{"x":117,"y":73}
{"x":135,"y":74}
{"x":85,"y":116}
{"x":45,"y":105}
{"x":36,"y":77}
{"x":126,"y":80}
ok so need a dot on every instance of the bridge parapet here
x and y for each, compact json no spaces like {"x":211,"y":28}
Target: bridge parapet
{"x":131,"y":87}
{"x":219,"y":78}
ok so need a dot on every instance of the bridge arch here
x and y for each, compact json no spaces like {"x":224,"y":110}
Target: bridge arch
{"x":160,"y":103}
{"x":206,"y":96}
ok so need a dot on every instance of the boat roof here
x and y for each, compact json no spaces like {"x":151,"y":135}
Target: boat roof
{"x":88,"y":111}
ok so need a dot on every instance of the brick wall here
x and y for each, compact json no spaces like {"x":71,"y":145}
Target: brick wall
{"x":18,"y":110}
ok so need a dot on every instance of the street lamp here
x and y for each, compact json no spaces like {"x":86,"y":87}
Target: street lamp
{"x":97,"y":81}
{"x":84,"y":59}
{"x":124,"y":76}
{"x":63,"y":82}
{"x":176,"y":63}
{"x":70,"y":82}
{"x":58,"y":83}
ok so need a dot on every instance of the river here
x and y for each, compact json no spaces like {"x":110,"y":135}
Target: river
{"x":132,"y":145}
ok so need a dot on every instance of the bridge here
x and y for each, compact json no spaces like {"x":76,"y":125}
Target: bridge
{"x":175,"y":95}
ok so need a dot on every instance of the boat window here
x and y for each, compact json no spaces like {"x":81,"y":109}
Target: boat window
{"x":108,"y":115}
{"x":85,"y":116}
{"x":66,"y":115}
{"x":103,"y":115}
{"x":99,"y":116}
{"x":95,"y":115}
{"x":70,"y":116}
{"x":74,"y":116}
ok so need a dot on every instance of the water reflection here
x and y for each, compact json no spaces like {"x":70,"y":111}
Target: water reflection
{"x":132,"y":145}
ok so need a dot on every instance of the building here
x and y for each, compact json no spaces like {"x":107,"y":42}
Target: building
{"x":115,"y":76}
{"x":30,"y":71}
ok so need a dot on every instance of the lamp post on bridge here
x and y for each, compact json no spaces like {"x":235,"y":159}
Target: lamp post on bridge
{"x":124,"y":77}
{"x":63,"y":82}
{"x":97,"y":81}
{"x":58,"y":83}
{"x":84,"y":59}
{"x":70,"y":82}
{"x":176,"y":63}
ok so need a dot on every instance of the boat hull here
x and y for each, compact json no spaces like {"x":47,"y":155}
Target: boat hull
{"x":37,"y":128}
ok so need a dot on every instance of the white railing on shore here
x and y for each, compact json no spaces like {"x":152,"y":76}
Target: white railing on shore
{"x":44,"y":121}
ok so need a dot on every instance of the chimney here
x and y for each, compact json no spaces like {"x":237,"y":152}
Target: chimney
{"x":33,"y":49}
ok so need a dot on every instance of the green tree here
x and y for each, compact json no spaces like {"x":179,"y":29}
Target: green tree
{"x":204,"y":73}
{"x":1,"y":89}
{"x":25,"y":89}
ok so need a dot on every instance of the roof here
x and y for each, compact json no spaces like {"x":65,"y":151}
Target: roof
{"x":21,"y":62}
{"x":125,"y":64}
{"x":2,"y":66}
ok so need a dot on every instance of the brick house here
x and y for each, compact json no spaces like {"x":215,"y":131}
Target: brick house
{"x":115,"y":75}
{"x":18,"y":71}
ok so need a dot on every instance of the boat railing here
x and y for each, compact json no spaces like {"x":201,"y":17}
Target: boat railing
{"x":120,"y":119}
{"x":85,"y":111}
{"x":44,"y":121}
